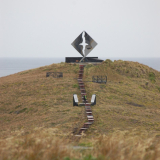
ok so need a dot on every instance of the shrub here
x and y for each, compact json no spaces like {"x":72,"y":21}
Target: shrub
{"x":152,"y":77}
{"x":75,"y":86}
{"x":89,"y":66}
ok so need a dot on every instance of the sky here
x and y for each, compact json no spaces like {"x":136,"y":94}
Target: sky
{"x":46,"y":28}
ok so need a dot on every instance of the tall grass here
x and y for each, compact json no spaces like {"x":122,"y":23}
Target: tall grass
{"x":42,"y":144}
{"x":49,"y":144}
{"x":125,"y":145}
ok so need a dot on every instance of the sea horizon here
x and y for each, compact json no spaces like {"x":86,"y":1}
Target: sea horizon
{"x":12,"y":65}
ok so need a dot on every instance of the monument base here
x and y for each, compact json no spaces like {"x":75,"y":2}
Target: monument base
{"x":77,"y":59}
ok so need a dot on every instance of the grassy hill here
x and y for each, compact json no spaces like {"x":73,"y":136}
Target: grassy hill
{"x":37,"y":114}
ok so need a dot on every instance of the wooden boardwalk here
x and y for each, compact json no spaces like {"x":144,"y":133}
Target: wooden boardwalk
{"x":88,"y":109}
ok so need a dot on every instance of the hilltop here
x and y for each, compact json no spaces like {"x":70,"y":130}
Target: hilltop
{"x":30,"y":101}
{"x":131,"y":97}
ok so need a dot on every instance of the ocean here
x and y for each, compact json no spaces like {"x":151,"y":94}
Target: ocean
{"x":10,"y":66}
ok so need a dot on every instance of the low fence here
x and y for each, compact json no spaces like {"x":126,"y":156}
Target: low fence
{"x":54,"y":74}
{"x":99,"y":79}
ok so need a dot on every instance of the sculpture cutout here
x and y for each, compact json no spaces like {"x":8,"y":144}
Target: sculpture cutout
{"x":84,"y":45}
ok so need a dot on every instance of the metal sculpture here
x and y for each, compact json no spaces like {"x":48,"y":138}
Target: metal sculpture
{"x":99,"y":79}
{"x":84,"y":44}
{"x":93,"y":100}
{"x":54,"y":74}
{"x":75,"y":100}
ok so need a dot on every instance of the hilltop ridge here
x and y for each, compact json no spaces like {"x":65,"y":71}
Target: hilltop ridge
{"x":130,"y":97}
{"x":37,"y":116}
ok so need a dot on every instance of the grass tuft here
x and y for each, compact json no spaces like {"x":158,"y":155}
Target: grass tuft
{"x":152,"y":77}
{"x":158,"y":88}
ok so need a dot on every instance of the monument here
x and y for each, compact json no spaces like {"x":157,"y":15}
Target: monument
{"x":84,"y":44}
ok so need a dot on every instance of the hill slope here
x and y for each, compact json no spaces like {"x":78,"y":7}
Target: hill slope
{"x":28,"y":99}
{"x":130,"y":100}
{"x":131,"y":97}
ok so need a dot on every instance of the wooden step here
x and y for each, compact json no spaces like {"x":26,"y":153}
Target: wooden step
{"x":88,"y":104}
{"x":78,"y":135}
{"x":89,"y":123}
{"x":88,"y":110}
{"x":83,"y":92}
{"x":83,"y":128}
{"x":89,"y":117}
{"x":86,"y":101}
{"x":87,"y":107}
{"x":81,"y":104}
{"x":90,"y":120}
{"x":86,"y":126}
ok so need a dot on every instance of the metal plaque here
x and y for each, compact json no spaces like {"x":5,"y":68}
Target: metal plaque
{"x":93,"y":100}
{"x":54,"y":74}
{"x":84,"y":44}
{"x":99,"y":79}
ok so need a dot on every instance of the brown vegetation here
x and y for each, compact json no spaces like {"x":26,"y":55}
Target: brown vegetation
{"x":37,"y":116}
{"x":52,"y":144}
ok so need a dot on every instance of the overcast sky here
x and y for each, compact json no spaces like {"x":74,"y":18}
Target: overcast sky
{"x":46,"y":28}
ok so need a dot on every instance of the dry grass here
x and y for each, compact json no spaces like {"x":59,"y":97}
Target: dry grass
{"x":41,"y":144}
{"x":51,"y":144}
{"x":130,"y":100}
{"x":128,"y":145}
{"x":28,"y":99}
{"x":126,"y":101}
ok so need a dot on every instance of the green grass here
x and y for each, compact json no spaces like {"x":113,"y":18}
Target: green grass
{"x":152,"y":77}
